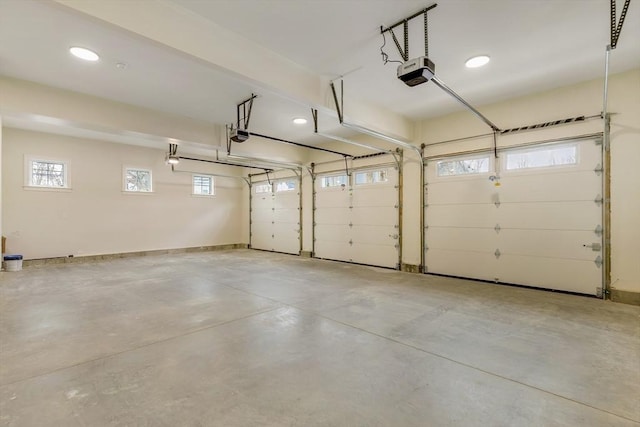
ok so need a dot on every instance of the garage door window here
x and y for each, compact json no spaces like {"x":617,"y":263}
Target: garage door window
{"x":371,"y":177}
{"x":262,"y":188}
{"x":563,"y":155}
{"x":289,"y":185}
{"x":334,"y":181}
{"x":463,"y":166}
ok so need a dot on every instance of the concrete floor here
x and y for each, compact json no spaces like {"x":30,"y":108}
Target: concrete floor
{"x":248,"y":338}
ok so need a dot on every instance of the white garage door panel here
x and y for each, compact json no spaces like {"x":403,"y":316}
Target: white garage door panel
{"x":262,"y":201}
{"x":289,"y":216}
{"x":383,"y":256}
{"x":261,"y":240}
{"x":565,"y":244}
{"x":381,"y":216}
{"x":288,"y":202}
{"x":377,"y":235}
{"x":340,"y":251}
{"x":476,"y":216}
{"x":371,"y":197}
{"x":470,"y":191}
{"x":332,"y":232}
{"x":332,"y":215}
{"x":575,"y":186}
{"x":471,"y":239}
{"x":554,"y":216}
{"x":287,"y":241}
{"x":478,"y":265}
{"x":328,"y":198}
{"x":568,"y":275}
{"x":544,"y":216}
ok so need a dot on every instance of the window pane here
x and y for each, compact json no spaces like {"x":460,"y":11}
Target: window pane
{"x":371,"y":177}
{"x":263,"y":188}
{"x":463,"y":166}
{"x":539,"y":158}
{"x":138,"y":180}
{"x":202,"y":185}
{"x":334,"y":181}
{"x":286,"y":186}
{"x":47,"y":174}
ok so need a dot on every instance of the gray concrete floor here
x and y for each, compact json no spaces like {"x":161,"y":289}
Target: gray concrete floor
{"x":248,"y":338}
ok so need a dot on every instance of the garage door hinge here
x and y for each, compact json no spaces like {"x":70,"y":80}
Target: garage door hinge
{"x":396,"y":186}
{"x":598,"y":200}
{"x":396,"y":206}
{"x":396,"y":246}
{"x":598,"y":261}
{"x":394,"y":236}
{"x":396,"y":226}
{"x":497,"y":253}
{"x":598,"y":169}
{"x":497,"y":203}
{"x":351,"y":242}
{"x":350,"y":224}
{"x":497,"y":228}
{"x":598,"y":230}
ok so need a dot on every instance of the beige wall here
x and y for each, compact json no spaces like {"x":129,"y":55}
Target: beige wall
{"x":1,"y":229}
{"x":96,"y":216}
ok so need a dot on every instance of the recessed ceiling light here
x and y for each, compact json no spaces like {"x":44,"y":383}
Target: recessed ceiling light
{"x":477,"y":61}
{"x":82,"y":53}
{"x":299,"y":121}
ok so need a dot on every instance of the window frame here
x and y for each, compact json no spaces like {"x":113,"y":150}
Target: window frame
{"x":126,"y":169}
{"x":212,"y":188}
{"x":483,"y":156}
{"x":372,"y":171}
{"x":279,"y":181}
{"x":531,"y":149}
{"x":28,"y":173}
{"x":260,"y":184}
{"x":334,"y":187}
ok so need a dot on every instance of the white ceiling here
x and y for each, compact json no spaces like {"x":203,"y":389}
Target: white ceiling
{"x":534,"y":45}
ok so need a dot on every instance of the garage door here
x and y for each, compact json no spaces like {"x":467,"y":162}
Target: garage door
{"x":275,"y":215}
{"x":539,"y":224}
{"x":356,"y":216}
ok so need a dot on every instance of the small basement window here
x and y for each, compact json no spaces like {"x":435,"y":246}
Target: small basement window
{"x":288,"y":185}
{"x":203,"y":185}
{"x":137,"y":180}
{"x":334,"y":181}
{"x":372,"y":177}
{"x":47,"y":173}
{"x":468,"y":166}
{"x":542,"y":157}
{"x":262,"y":188}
